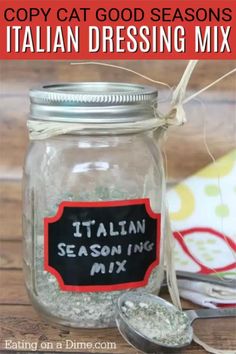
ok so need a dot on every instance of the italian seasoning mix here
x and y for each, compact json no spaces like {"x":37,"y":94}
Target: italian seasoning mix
{"x":93,"y":200}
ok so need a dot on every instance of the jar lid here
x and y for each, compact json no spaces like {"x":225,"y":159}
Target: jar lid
{"x":93,"y":102}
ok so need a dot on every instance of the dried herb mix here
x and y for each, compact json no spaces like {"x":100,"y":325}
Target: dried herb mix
{"x":157,"y":322}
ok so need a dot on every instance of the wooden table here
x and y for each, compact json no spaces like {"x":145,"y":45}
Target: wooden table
{"x":186,"y":154}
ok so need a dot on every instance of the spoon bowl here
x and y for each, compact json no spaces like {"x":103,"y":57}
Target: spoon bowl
{"x":135,"y":337}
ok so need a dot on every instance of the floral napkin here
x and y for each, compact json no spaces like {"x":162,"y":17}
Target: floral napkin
{"x":203,"y":217}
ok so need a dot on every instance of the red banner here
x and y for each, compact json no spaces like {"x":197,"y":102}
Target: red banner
{"x":118,"y":30}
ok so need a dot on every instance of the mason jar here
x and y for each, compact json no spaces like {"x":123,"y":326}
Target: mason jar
{"x":93,"y":214}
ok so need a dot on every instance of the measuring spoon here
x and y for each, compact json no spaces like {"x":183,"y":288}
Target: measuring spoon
{"x":147,"y":345}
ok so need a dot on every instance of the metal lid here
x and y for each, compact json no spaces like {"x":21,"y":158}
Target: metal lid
{"x":93,"y":102}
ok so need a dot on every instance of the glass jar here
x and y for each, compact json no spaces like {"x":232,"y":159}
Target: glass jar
{"x":93,"y":200}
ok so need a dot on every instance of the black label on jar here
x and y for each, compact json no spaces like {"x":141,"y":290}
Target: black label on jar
{"x":102,"y":246}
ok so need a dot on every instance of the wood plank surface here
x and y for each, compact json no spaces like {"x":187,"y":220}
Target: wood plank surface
{"x":11,"y":255}
{"x":27,"y":326}
{"x":10,"y":210}
{"x":22,"y":323}
{"x":19,"y":76}
{"x":14,"y":290}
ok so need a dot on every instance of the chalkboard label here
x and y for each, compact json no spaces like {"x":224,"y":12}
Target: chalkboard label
{"x":102,"y":246}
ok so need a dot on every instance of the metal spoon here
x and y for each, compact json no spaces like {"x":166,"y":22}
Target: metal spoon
{"x":147,"y":345}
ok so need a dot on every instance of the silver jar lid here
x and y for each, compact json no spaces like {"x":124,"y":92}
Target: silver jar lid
{"x":93,"y":102}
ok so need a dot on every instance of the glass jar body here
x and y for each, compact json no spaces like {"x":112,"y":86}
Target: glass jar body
{"x":82,"y":168}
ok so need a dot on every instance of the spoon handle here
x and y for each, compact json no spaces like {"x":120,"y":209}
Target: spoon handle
{"x":210,"y":313}
{"x":212,"y":279}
